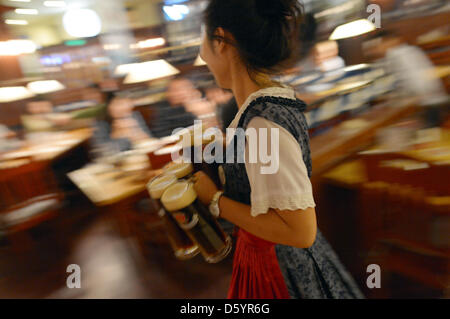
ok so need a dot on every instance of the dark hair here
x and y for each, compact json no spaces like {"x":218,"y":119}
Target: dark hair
{"x":307,"y":33}
{"x":265,"y":32}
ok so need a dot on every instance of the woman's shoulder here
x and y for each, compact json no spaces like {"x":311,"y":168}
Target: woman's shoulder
{"x":275,"y":109}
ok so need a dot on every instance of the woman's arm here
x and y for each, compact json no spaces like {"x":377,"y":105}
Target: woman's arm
{"x":295,"y":228}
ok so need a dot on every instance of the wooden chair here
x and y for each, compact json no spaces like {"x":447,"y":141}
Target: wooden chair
{"x":28,"y":197}
{"x":405,"y":214}
{"x":397,"y":168}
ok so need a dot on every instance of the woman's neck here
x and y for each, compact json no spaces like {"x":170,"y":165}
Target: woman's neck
{"x":243,"y":85}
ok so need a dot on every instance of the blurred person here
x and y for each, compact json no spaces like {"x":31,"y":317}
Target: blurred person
{"x":121,"y":126}
{"x":226,"y":107}
{"x":39,"y":107}
{"x":307,"y":38}
{"x":218,"y":96}
{"x":182,"y":92}
{"x":279,"y":251}
{"x":40,"y":116}
{"x":8,"y":138}
{"x":410,"y":65}
{"x":414,"y":71}
{"x":322,"y":56}
{"x":6,"y":133}
{"x":178,"y":111}
{"x":326,"y":56}
{"x":226,"y":113}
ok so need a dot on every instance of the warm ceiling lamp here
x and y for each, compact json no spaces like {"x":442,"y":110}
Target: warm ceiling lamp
{"x":16,"y":22}
{"x":46,"y":86}
{"x":124,"y":69}
{"x":149,"y":43}
{"x":82,"y":23}
{"x":199,"y":61}
{"x":26,"y":11}
{"x":352,"y":29}
{"x":55,"y":4}
{"x":17,"y":47}
{"x":14,"y":93}
{"x":151,"y":70}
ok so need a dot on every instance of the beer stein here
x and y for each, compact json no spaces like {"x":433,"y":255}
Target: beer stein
{"x":182,"y":245}
{"x":180,"y":170}
{"x":180,"y":199}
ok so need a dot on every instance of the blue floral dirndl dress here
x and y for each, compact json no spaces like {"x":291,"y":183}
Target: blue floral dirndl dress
{"x":312,"y":273}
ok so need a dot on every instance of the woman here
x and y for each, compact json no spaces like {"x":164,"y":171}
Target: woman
{"x":279,"y":251}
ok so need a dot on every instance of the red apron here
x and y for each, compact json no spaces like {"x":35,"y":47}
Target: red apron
{"x":256,"y":273}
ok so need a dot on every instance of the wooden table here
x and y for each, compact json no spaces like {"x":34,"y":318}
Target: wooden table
{"x":58,"y":145}
{"x":330,"y":148}
{"x":106,"y":187}
{"x":116,"y":193}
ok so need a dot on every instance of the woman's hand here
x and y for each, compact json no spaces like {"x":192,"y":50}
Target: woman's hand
{"x":205,"y":187}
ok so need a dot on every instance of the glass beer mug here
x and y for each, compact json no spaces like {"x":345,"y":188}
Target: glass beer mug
{"x":182,"y":245}
{"x":181,"y":201}
{"x":180,"y":170}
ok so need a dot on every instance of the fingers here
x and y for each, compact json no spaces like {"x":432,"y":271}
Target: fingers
{"x":197,"y":176}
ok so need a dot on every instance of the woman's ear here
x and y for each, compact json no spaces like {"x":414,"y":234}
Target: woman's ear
{"x":221,"y":39}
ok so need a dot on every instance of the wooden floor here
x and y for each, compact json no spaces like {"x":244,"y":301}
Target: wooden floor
{"x":111,"y":266}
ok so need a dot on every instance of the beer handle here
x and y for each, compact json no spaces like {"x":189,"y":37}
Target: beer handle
{"x":214,"y":205}
{"x":191,"y":180}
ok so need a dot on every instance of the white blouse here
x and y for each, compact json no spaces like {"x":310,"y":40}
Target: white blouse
{"x":289,"y":188}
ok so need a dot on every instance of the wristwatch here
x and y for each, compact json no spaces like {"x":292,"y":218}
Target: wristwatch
{"x":214,"y":205}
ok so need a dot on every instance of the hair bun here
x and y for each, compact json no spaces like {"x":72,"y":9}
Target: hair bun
{"x":278,"y":9}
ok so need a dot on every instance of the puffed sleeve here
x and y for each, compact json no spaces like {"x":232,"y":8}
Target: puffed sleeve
{"x":278,"y":180}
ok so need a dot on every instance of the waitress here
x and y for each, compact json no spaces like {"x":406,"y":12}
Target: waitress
{"x":279,"y":252}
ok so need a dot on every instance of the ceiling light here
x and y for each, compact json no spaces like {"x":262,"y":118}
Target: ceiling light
{"x":82,"y":23}
{"x":151,"y":70}
{"x":150,"y":43}
{"x":199,"y":61}
{"x":124,"y":69}
{"x":176,"y":12}
{"x":14,"y":93}
{"x":43,"y":87}
{"x":352,"y":29}
{"x":55,"y":4}
{"x":27,"y":11}
{"x":16,"y":47}
{"x":16,"y":22}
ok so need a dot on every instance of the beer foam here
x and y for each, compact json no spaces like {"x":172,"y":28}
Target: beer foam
{"x":202,"y":136}
{"x":180,"y":170}
{"x":178,"y":196}
{"x":158,"y":185}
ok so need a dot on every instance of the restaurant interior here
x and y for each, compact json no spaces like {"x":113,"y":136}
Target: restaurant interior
{"x":90,"y":95}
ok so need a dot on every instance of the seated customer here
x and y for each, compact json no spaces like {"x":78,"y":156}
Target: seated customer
{"x":8,"y":139}
{"x":36,"y":116}
{"x":5,"y":132}
{"x":182,"y":99}
{"x":121,"y":127}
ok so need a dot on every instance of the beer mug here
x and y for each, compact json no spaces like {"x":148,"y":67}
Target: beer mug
{"x":180,"y":199}
{"x":180,"y":170}
{"x":182,"y":245}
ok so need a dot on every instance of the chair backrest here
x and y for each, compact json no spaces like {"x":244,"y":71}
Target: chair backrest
{"x":401,"y":169}
{"x":23,"y":183}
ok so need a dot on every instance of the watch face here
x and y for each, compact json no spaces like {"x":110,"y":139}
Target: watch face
{"x":221,"y":175}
